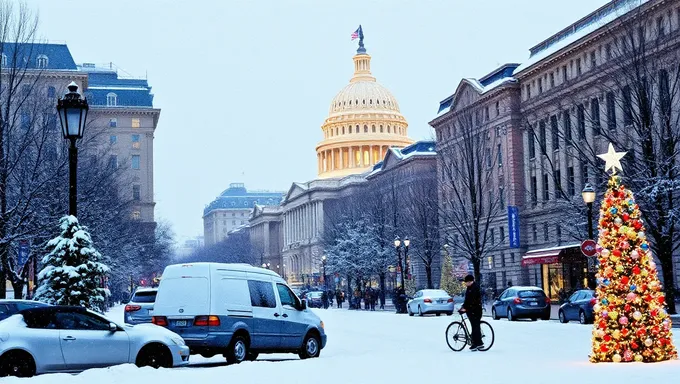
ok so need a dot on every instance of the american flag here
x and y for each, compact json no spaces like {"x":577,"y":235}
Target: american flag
{"x":355,"y":34}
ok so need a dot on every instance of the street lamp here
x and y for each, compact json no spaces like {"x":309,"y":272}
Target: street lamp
{"x":323,"y":262}
{"x":407,"y":242}
{"x":397,"y":247}
{"x":72,"y":110}
{"x":588,"y":195}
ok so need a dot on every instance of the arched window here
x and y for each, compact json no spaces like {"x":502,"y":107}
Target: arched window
{"x":343,"y":129}
{"x":365,"y":128}
{"x":42,"y":61}
{"x":370,"y":101}
{"x":389,"y":129}
{"x":51,"y":92}
{"x":111,"y":99}
{"x":373,"y":128}
{"x":381,"y":129}
{"x":4,"y":60}
{"x":357,"y":129}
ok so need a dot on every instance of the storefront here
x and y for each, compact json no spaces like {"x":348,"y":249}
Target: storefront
{"x":562,"y":270}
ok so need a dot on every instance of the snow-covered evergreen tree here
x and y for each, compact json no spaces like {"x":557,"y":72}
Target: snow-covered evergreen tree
{"x":73,"y":273}
{"x":448,"y":281}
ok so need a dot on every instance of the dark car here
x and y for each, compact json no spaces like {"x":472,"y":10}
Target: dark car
{"x":12,"y":307}
{"x":579,"y":307}
{"x":522,"y":302}
{"x":314,"y":299}
{"x":138,"y":310}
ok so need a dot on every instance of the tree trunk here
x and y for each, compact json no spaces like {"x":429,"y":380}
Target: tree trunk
{"x":18,"y":287}
{"x":428,"y":272}
{"x":666,"y":259}
{"x":381,"y":277}
{"x":477,"y":270}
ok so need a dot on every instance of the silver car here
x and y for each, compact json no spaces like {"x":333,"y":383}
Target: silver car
{"x":138,"y":310}
{"x":426,"y":301}
{"x":72,"y":339}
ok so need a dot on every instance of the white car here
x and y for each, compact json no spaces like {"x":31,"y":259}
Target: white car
{"x":72,"y":339}
{"x":427,"y":301}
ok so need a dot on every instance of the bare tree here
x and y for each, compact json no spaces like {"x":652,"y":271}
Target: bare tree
{"x":423,"y":224}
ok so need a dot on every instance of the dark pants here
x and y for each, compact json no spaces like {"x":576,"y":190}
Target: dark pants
{"x":475,"y":328}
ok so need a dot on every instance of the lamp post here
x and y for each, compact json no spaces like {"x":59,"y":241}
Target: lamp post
{"x":588,"y":195}
{"x":323,"y":263}
{"x":397,"y":247}
{"x":407,"y":262}
{"x":72,"y":110}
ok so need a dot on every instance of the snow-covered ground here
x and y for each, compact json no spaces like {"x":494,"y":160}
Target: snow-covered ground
{"x":380,"y":347}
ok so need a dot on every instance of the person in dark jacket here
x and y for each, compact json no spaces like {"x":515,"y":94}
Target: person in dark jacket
{"x":473,"y":307}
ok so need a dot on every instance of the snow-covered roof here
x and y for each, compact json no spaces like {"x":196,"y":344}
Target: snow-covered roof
{"x":589,"y":24}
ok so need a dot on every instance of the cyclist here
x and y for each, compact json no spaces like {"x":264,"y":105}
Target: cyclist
{"x":473,"y":307}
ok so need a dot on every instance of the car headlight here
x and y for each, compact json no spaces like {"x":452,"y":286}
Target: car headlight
{"x":322,"y":325}
{"x":178,"y":341}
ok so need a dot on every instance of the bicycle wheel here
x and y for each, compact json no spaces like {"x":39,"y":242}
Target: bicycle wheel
{"x":456,"y":336}
{"x":487,"y":335}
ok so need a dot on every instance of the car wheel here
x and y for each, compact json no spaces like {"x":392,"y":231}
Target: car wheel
{"x":494,"y":315}
{"x":582,"y":318}
{"x":154,"y":356}
{"x":534,"y":318}
{"x":420,"y":311}
{"x":238,"y":350}
{"x":563,"y":318}
{"x":18,"y":364}
{"x":252,"y":356}
{"x":438,"y":314}
{"x":449,"y":313}
{"x":408,"y":309}
{"x":311,"y":347}
{"x":510,"y":315}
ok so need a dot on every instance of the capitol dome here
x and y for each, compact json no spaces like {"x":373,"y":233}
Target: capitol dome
{"x":363,"y":122}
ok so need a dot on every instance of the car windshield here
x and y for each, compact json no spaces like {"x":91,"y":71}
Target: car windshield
{"x":144,"y":297}
{"x":529,"y":294}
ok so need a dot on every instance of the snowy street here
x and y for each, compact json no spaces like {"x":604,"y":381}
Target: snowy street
{"x":381,"y":347}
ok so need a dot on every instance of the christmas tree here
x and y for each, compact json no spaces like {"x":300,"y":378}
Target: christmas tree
{"x":631,"y":323}
{"x":72,"y":273}
{"x":448,"y":281}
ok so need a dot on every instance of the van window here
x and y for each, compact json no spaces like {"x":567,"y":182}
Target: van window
{"x":261,"y":294}
{"x":287,"y":297}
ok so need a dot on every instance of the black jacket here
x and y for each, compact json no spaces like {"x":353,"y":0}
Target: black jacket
{"x":473,"y":299}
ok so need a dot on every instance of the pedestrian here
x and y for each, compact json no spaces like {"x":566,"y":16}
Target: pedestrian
{"x":338,"y":298}
{"x":324,"y":299}
{"x":330,"y":295}
{"x":381,"y":294}
{"x":473,"y":307}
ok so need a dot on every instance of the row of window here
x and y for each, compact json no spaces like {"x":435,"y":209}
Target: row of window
{"x":233,"y":222}
{"x":335,"y":131}
{"x":134,"y":122}
{"x":546,"y":232}
{"x":136,"y":141}
{"x":596,"y":57}
{"x":134,"y":161}
{"x":558,"y":191}
{"x":500,"y":260}
{"x":42,"y":61}
{"x":363,"y":101}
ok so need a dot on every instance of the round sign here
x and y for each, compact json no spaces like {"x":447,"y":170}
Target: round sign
{"x":589,"y":248}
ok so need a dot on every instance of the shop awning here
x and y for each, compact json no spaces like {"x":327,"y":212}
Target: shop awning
{"x":546,"y":255}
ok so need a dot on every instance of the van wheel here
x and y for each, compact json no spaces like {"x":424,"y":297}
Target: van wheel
{"x":237,"y":350}
{"x":252,"y":356}
{"x":311,"y":347}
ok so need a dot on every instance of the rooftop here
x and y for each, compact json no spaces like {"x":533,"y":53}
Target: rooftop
{"x":107,"y":88}
{"x":238,"y":197}
{"x":38,"y":56}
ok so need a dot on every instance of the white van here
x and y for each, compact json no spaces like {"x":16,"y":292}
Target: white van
{"x":237,"y":310}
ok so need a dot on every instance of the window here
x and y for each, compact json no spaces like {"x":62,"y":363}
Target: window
{"x":571,"y":186}
{"x":534,"y":232}
{"x":552,"y":80}
{"x":566,"y":120}
{"x":136,"y":215}
{"x":136,"y":192}
{"x":286,"y":296}
{"x":113,"y":123}
{"x":25,"y":120}
{"x":51,"y":92}
{"x":113,"y":139}
{"x":581,"y":121}
{"x":584,"y":173}
{"x":135,"y":123}
{"x":528,"y":91}
{"x":500,"y":156}
{"x":555,"y":133}
{"x":532,"y":144}
{"x":135,"y":161}
{"x":558,"y":182}
{"x":26,"y":89}
{"x":113,"y":161}
{"x":534,"y":190}
{"x":42,"y":61}
{"x":660,"y":29}
{"x":641,"y":36}
{"x":664,"y":96}
{"x":135,"y":142}
{"x":541,"y":135}
{"x":627,"y":106}
{"x":558,"y":233}
{"x":488,"y":157}
{"x":80,"y":321}
{"x":608,"y":51}
{"x":261,"y":294}
{"x":501,"y":196}
{"x":111,"y":99}
{"x":578,"y":67}
{"x":4,"y":60}
{"x":50,"y":121}
{"x":546,"y":187}
{"x":595,"y":115}
{"x":564,"y":73}
{"x":486,"y":113}
{"x":372,"y":128}
{"x":593,"y":60}
{"x":611,"y":111}
{"x":501,"y":234}
{"x":546,"y":232}
{"x":540,"y":86}
{"x":498,"y":108}
{"x":492,"y":236}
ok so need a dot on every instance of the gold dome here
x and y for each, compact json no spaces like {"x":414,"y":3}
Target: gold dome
{"x":363,"y":122}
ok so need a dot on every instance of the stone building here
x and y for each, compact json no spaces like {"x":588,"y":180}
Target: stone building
{"x":232,"y":209}
{"x":558,"y":110}
{"x":266,"y":237}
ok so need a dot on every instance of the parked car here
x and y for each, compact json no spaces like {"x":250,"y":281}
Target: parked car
{"x":521,"y":302}
{"x":579,"y":307}
{"x":12,"y":307}
{"x":314,"y":299}
{"x":71,"y":339}
{"x":138,"y":310}
{"x":427,"y":301}
{"x":236,"y":310}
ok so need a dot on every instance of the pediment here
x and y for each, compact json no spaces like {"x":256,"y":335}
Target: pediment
{"x":467,"y":93}
{"x":295,"y":190}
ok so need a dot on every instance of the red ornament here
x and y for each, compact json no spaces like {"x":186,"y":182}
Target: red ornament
{"x":616,"y":253}
{"x":655,"y":312}
{"x":607,"y":338}
{"x":603,"y":324}
{"x":644,"y":287}
{"x":641,"y":332}
{"x":624,"y":332}
{"x":625,"y":280}
{"x":634,"y":345}
{"x":637,"y":225}
{"x":626,"y":307}
{"x":603,"y":348}
{"x":636,"y":270}
{"x":648,"y":298}
{"x":661,"y":300}
{"x":626,"y":217}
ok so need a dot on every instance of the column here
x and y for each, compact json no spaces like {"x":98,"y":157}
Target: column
{"x":332,"y":159}
{"x":351,"y":157}
{"x":318,"y":162}
{"x":342,"y":160}
{"x":361,"y":156}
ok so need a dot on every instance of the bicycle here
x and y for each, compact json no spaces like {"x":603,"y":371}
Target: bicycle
{"x":460,"y":334}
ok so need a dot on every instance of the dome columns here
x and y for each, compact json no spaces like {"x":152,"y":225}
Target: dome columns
{"x":350,"y":157}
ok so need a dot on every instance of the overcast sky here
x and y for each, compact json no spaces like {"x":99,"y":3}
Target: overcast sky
{"x":244,"y":86}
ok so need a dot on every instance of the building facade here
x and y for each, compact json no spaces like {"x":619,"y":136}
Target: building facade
{"x":232,"y":209}
{"x":266,"y":237}
{"x":566,"y":103}
{"x":363,"y":122}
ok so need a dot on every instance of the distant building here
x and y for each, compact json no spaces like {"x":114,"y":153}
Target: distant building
{"x":266,"y":237}
{"x":232,"y":209}
{"x":189,"y":246}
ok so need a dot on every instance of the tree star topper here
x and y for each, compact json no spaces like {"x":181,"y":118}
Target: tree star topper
{"x":612,"y":159}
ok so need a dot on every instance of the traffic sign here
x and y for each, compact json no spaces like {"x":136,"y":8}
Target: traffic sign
{"x":589,"y":248}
